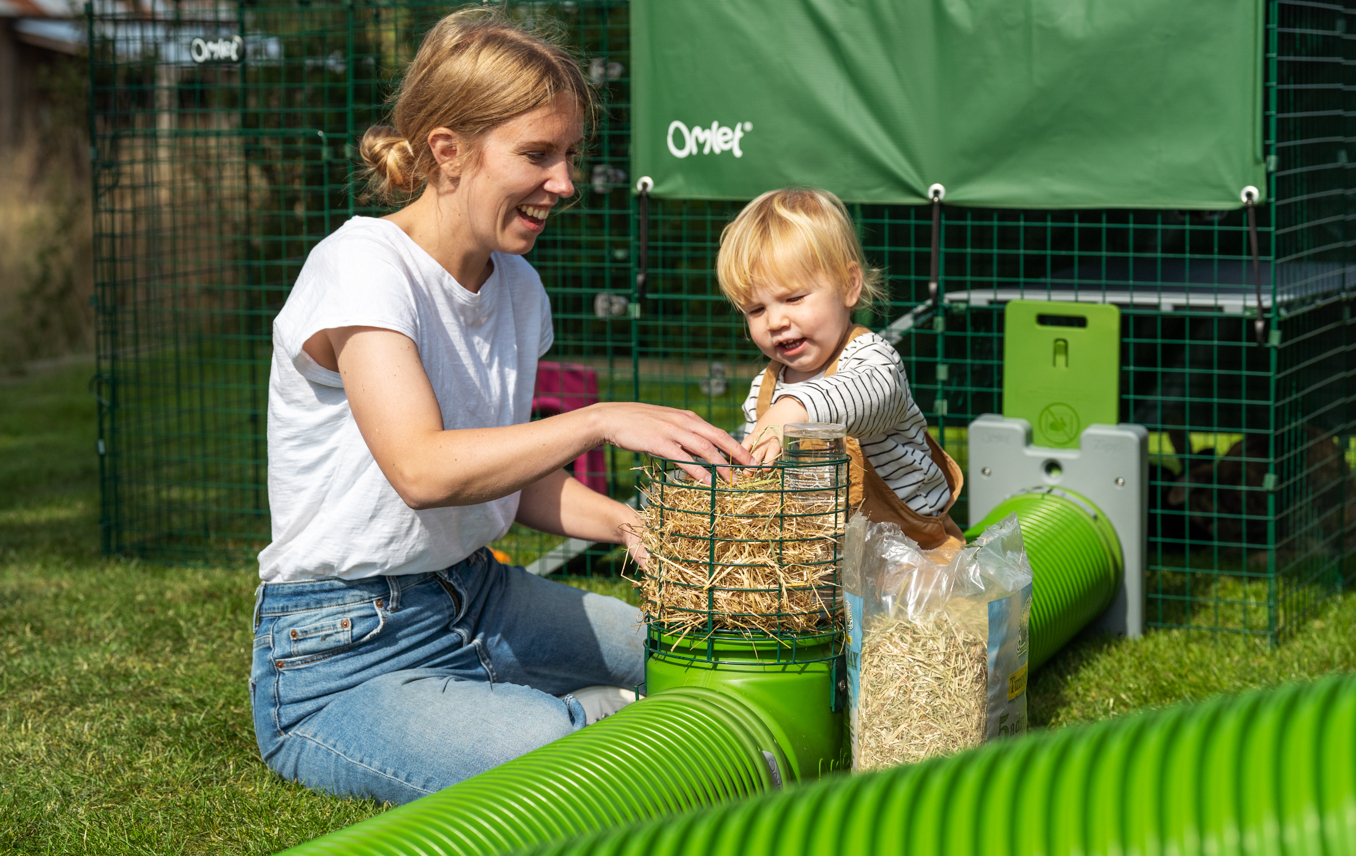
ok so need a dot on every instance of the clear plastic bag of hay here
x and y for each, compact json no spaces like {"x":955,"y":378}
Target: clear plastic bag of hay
{"x":937,"y":648}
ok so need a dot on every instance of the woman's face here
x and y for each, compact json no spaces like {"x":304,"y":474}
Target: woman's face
{"x":522,"y":169}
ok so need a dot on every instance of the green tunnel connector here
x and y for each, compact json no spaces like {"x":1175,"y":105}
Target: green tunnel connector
{"x":1075,"y":558}
{"x":795,"y":690}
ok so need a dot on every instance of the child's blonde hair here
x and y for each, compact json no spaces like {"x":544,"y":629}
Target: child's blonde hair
{"x":792,"y":235}
{"x":475,"y":70}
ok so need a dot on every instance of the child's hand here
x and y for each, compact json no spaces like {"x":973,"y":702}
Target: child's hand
{"x":765,"y":444}
{"x":765,"y":440}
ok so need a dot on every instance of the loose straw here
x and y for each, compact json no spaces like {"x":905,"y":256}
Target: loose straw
{"x":924,"y":691}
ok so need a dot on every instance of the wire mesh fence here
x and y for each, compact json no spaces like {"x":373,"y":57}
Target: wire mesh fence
{"x":224,"y":141}
{"x":215,"y":176}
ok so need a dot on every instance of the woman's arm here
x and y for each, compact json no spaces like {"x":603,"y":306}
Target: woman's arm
{"x":562,"y":505}
{"x":398,"y":415}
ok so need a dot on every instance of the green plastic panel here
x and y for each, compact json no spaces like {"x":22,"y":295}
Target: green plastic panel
{"x":1076,"y":564}
{"x":1061,"y":368}
{"x":686,"y":749}
{"x":1264,"y":774}
{"x":1044,"y":103}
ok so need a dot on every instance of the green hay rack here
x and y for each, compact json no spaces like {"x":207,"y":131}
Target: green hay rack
{"x":775,"y":636}
{"x":213,"y":179}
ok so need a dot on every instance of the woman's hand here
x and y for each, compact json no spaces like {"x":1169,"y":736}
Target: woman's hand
{"x":764,"y":442}
{"x":634,"y":545}
{"x":679,"y":435}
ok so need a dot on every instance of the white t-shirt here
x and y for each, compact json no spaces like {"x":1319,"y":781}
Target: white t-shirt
{"x":334,"y":513}
{"x":870,"y":395}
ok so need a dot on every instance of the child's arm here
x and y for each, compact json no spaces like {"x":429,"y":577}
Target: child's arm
{"x":868,"y":393}
{"x":760,"y":436}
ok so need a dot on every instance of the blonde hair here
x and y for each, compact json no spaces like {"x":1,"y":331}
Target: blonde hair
{"x":792,"y":235}
{"x":474,"y":71}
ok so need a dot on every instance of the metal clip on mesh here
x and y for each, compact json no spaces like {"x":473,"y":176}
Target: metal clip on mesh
{"x":936,"y":193}
{"x":643,"y":188}
{"x":1250,"y":203}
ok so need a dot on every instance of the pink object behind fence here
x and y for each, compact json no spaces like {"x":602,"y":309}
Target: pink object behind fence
{"x":562,"y":387}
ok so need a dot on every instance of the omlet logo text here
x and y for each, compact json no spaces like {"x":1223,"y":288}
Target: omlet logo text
{"x":217,"y":50}
{"x":684,"y":141}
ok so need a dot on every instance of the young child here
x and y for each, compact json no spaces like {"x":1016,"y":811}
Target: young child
{"x":792,"y":264}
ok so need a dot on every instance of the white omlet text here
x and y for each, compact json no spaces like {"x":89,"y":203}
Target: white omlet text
{"x":217,"y":50}
{"x":699,"y":140}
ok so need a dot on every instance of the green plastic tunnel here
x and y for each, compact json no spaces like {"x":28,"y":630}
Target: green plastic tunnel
{"x":687,"y":747}
{"x":1075,"y":560}
{"x":684,"y":749}
{"x":1266,"y":773}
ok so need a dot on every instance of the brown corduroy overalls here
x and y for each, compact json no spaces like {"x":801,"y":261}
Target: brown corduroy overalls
{"x":868,"y":492}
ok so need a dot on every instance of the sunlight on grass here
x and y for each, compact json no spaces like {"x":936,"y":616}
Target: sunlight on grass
{"x":124,"y":708}
{"x":1098,"y":677}
{"x":43,"y":514}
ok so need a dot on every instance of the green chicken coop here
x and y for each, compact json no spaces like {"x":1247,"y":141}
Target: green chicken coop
{"x":1188,"y":164}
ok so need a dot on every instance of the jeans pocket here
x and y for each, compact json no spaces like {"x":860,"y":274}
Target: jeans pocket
{"x":309,"y":636}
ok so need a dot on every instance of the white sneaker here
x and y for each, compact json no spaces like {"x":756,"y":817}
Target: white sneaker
{"x":601,"y":701}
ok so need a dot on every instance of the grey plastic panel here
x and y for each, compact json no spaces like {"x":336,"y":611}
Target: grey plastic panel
{"x":1110,"y":468}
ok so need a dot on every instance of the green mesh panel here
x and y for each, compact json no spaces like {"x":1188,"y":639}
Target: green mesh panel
{"x":213,"y":181}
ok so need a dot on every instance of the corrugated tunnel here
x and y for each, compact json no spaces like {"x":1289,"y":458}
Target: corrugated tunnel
{"x":1270,"y":772}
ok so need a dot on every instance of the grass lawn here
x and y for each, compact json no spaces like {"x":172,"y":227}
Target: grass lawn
{"x":124,"y":714}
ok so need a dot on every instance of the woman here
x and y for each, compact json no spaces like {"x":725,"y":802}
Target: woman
{"x":393,"y":655}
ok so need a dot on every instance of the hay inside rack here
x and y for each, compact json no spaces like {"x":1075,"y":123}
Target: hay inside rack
{"x":757,"y":555}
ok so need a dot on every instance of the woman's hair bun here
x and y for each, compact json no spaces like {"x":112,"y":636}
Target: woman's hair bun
{"x":390,"y":161}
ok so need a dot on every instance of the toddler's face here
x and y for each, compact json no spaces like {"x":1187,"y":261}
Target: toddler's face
{"x":801,"y":325}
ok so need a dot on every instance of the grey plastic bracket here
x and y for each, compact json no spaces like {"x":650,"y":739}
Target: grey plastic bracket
{"x":1110,"y":467}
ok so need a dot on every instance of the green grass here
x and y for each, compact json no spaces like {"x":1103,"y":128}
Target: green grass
{"x":124,"y":715}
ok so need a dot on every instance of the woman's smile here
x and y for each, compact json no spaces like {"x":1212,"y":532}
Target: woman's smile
{"x":533,"y":217}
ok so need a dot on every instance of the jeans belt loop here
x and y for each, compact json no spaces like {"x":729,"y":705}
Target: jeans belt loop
{"x":392,"y":599}
{"x":258,"y":604}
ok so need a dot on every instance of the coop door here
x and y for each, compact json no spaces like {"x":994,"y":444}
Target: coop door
{"x":1061,"y":368}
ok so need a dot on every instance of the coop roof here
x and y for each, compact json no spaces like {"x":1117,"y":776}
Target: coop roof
{"x":37,"y":9}
{"x":49,"y":24}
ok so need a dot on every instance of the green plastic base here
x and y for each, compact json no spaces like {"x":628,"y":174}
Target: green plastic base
{"x":803,"y":703}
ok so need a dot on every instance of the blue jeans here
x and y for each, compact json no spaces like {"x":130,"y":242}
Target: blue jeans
{"x":396,"y":687}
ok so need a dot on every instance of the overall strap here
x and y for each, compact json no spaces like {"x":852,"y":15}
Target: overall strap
{"x":853,"y":332}
{"x":774,"y":370}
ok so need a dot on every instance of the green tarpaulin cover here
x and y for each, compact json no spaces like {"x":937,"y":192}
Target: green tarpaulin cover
{"x":1007,"y":103}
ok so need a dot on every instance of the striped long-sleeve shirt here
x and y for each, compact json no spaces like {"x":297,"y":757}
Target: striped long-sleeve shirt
{"x":870,"y":395}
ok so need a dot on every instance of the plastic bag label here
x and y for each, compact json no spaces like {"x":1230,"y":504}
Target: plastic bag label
{"x":1008,"y":645}
{"x":854,"y":668}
